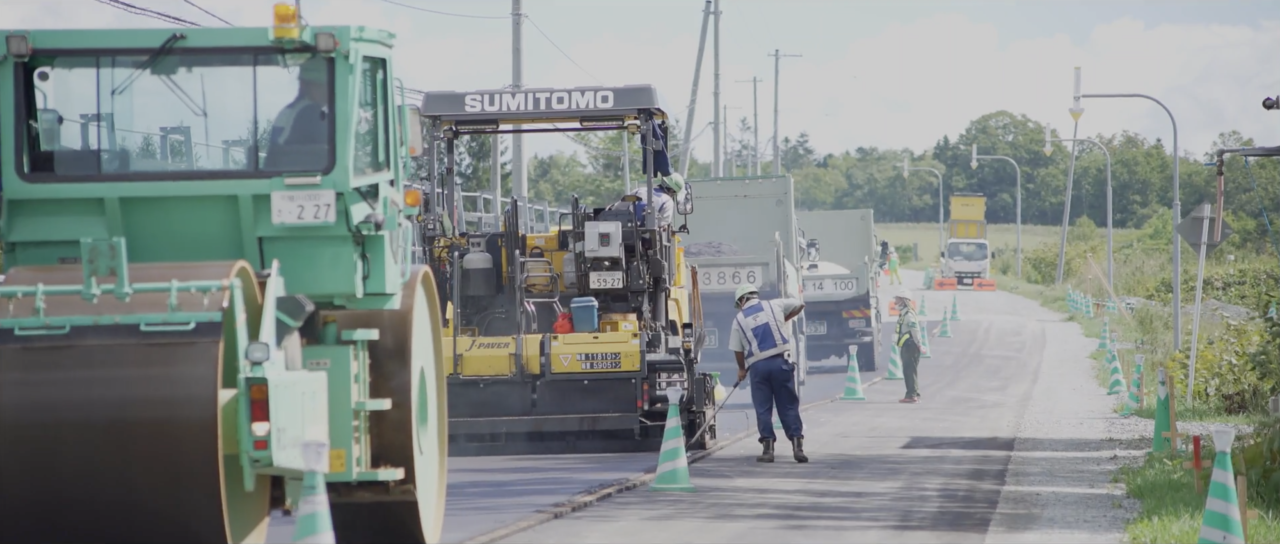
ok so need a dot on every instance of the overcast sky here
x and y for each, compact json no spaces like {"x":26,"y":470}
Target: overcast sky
{"x":886,"y":74}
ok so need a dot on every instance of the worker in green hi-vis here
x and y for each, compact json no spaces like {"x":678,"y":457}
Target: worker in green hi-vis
{"x":894,"y":278}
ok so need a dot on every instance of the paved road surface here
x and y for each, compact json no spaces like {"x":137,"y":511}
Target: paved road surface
{"x":880,"y":471}
{"x":486,"y":493}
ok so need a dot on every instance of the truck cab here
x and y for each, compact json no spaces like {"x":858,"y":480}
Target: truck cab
{"x":966,"y":259}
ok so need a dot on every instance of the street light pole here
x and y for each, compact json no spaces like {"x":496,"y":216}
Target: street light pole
{"x":1176,"y":206}
{"x":973,"y":163}
{"x":906,"y":169}
{"x":1111,"y":264}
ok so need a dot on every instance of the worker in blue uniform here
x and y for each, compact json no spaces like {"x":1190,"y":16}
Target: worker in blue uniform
{"x":760,"y":344}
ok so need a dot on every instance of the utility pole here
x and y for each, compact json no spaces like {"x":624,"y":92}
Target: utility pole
{"x":519,"y":185}
{"x":717,"y":161}
{"x":693,"y":94}
{"x":755,"y":120}
{"x":777,"y":66}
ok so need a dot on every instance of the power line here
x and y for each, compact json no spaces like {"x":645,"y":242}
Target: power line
{"x":437,"y":12}
{"x":207,"y":12}
{"x":139,"y":10}
{"x":566,"y":55}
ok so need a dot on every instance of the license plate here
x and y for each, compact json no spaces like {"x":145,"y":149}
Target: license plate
{"x":857,"y":323}
{"x":713,"y":339}
{"x":815,"y":327}
{"x":601,"y":365}
{"x":605,"y":280}
{"x":303,"y":207}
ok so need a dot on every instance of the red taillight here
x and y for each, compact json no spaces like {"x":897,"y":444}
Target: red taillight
{"x":259,"y":414}
{"x":644,"y":390}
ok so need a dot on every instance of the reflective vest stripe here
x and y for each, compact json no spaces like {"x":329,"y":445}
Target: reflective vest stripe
{"x":904,"y":330}
{"x":763,"y":331}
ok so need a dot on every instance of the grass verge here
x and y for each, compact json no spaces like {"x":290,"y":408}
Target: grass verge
{"x":1172,"y":511}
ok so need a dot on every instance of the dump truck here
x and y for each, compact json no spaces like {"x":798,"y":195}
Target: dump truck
{"x":745,"y":232}
{"x":966,"y":261}
{"x":842,"y":305}
{"x":570,"y":337}
{"x":187,"y":309}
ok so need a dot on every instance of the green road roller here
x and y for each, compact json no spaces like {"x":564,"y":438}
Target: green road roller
{"x":207,"y":244}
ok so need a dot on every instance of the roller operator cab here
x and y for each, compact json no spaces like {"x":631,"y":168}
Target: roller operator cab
{"x":207,"y":255}
{"x":563,"y":337}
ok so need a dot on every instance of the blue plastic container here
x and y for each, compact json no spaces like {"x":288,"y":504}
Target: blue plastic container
{"x":586,"y":314}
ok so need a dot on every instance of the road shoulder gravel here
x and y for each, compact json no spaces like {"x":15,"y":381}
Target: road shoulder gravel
{"x":1059,"y":487}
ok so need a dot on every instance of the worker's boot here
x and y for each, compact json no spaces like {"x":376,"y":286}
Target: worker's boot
{"x":797,"y":447}
{"x":767,"y":455}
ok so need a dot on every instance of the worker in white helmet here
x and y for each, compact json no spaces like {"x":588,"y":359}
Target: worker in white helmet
{"x":910,"y":345}
{"x":760,"y":343}
{"x":665,"y":189}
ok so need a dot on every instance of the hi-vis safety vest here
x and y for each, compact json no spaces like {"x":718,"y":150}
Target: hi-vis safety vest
{"x":904,"y":330}
{"x":763,"y":329}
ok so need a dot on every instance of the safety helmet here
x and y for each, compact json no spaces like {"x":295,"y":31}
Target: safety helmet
{"x":903,"y":293}
{"x":674,"y":182}
{"x":743,"y":290}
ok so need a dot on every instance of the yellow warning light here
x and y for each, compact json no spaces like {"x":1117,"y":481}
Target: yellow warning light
{"x":286,"y":22}
{"x":413,"y":198}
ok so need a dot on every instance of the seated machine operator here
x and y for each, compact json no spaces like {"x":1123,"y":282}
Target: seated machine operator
{"x":664,"y":192}
{"x":300,"y":133}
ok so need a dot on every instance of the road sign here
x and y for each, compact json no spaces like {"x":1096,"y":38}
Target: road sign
{"x":1192,"y":227}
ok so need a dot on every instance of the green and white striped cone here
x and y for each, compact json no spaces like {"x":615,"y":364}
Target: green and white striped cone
{"x":928,"y":279}
{"x":924,"y":342}
{"x":922,"y":312}
{"x":894,"y":370}
{"x":1271,"y":314}
{"x":1111,"y":306}
{"x":1088,"y":307}
{"x":944,"y":330}
{"x":1221,"y":523}
{"x":673,"y":464}
{"x":1135,"y":388}
{"x":1071,"y":301}
{"x":314,"y":523}
{"x":1105,"y":335}
{"x":955,"y":308}
{"x":853,"y":381}
{"x":1117,"y":375}
{"x":1158,"y":442}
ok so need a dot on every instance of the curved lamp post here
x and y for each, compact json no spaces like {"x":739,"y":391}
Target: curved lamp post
{"x":906,"y":172}
{"x":973,"y":163}
{"x":1048,"y":149}
{"x":1077,"y":111}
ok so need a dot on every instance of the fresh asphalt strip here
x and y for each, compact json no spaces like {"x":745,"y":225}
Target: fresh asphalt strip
{"x":590,"y":497}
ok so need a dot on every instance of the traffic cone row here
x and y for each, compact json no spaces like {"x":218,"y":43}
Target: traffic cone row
{"x":673,"y":465}
{"x":1221,"y":522}
{"x":1117,"y":374}
{"x":1135,"y":388}
{"x":853,"y":381}
{"x":314,"y":523}
{"x":1104,"y":337}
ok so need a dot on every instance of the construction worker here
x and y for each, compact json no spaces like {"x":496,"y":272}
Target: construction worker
{"x":894,"y":278}
{"x":299,"y":137}
{"x":759,"y":342}
{"x":884,"y":255}
{"x":665,"y":189}
{"x":910,"y":345}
